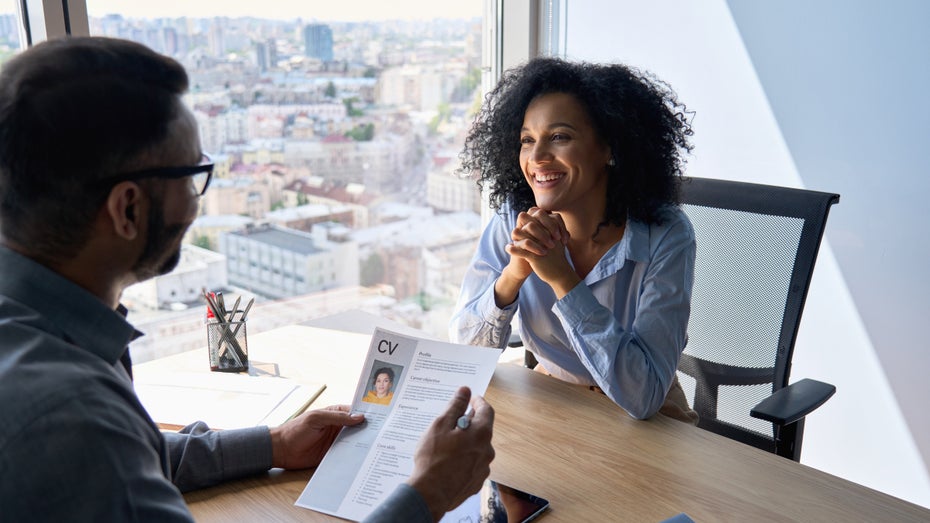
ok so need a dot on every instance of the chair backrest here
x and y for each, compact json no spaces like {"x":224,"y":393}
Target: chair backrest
{"x":756,"y":248}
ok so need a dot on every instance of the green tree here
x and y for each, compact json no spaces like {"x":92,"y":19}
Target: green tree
{"x":424,"y":300}
{"x":362,"y":133}
{"x":466,"y":86}
{"x":330,"y":90}
{"x":350,"y":107}
{"x":202,"y":241}
{"x":433,"y":125}
{"x":442,"y":114}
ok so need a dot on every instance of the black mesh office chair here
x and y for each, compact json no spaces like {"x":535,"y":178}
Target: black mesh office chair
{"x":756,"y":248}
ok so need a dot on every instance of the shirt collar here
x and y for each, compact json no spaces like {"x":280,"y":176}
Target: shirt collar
{"x":634,"y":246}
{"x":67,"y":310}
{"x":635,"y":243}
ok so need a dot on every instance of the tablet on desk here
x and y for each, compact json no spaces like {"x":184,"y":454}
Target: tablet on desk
{"x":498,"y":503}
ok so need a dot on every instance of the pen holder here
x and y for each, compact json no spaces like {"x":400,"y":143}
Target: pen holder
{"x":228,"y":346}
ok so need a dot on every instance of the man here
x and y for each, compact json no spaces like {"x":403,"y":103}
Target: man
{"x":100,"y":173}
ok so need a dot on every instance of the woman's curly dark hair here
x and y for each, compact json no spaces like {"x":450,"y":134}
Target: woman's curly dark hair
{"x":635,"y":113}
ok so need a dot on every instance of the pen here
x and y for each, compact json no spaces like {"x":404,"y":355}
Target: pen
{"x":242,"y":318}
{"x":234,"y":309}
{"x":306,"y":404}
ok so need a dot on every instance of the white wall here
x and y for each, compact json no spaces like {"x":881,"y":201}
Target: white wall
{"x":862,"y":433}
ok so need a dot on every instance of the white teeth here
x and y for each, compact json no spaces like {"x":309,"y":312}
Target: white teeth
{"x":547,"y":177}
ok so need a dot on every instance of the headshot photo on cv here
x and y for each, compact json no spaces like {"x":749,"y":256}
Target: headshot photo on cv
{"x":380,"y":390}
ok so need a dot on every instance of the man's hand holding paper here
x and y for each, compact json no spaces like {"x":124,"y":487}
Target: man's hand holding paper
{"x":302,"y":442}
{"x":414,"y":438}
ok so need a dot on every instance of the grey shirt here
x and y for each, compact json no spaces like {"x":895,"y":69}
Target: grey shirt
{"x":405,"y":505}
{"x":75,"y":443}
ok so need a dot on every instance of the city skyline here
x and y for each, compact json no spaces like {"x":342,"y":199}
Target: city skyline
{"x":335,"y":168}
{"x":351,"y":11}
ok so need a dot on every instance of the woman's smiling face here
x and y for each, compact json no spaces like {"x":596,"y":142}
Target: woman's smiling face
{"x":562,"y":157}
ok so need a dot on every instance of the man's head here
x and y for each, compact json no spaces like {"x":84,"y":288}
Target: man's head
{"x":75,"y":114}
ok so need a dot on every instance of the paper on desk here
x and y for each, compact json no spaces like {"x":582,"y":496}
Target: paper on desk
{"x":222,"y":401}
{"x":366,"y":463}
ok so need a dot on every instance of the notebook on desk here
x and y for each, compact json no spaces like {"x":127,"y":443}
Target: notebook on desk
{"x":222,"y":401}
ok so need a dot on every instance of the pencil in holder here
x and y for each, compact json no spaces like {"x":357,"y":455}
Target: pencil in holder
{"x":228,"y":346}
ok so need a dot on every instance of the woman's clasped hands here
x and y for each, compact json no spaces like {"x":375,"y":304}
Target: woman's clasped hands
{"x":538,"y":246}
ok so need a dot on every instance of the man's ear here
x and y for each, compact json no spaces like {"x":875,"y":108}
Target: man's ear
{"x":124,"y":209}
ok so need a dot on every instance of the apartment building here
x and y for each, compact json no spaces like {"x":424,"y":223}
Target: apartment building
{"x":277,"y":262}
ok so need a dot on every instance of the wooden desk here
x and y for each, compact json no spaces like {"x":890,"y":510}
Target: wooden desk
{"x":580,"y":451}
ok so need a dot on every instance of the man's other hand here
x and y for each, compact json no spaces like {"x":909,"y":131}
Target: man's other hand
{"x":452,"y":463}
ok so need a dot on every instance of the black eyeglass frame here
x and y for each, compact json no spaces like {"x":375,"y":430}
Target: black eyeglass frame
{"x":206,"y":165}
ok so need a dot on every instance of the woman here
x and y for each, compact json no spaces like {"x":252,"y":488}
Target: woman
{"x":588,"y":246}
{"x":381,"y":393}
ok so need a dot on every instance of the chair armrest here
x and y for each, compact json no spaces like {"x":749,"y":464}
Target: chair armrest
{"x":793,"y":402}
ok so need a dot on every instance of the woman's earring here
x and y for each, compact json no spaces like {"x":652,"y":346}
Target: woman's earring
{"x":612,"y":162}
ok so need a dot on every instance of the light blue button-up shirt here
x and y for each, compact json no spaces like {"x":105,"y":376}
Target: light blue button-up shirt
{"x":622,"y":329}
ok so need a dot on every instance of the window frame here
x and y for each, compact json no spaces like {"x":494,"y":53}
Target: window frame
{"x":40,"y":20}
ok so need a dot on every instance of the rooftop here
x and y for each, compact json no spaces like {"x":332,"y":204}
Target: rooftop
{"x":222,"y":220}
{"x":306,"y":211}
{"x":291,"y":240}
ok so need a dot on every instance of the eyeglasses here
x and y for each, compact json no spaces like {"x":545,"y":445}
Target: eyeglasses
{"x":200,"y":174}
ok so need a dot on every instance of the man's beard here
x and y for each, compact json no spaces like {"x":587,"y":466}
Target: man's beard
{"x":153,"y":262}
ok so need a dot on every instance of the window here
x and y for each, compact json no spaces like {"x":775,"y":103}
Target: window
{"x":11,"y":30}
{"x":353,"y":113}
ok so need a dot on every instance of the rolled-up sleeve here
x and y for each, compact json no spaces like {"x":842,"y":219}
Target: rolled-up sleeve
{"x":478,"y":320}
